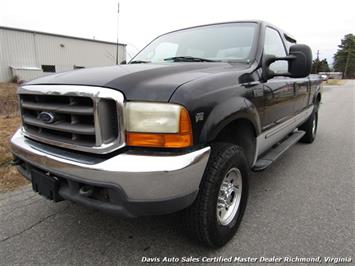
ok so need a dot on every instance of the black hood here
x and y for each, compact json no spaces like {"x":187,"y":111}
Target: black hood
{"x":145,"y":82}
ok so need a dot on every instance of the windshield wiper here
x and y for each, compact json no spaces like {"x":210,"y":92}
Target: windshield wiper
{"x":139,"y":62}
{"x":188,"y":59}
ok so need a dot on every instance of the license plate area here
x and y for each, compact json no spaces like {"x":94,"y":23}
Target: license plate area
{"x":45,"y":185}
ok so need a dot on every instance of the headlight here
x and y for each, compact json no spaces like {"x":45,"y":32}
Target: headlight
{"x":157,"y":125}
{"x":152,"y":117}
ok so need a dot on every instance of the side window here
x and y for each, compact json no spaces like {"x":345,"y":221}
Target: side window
{"x":273,"y":45}
{"x":78,"y":67}
{"x":48,"y":68}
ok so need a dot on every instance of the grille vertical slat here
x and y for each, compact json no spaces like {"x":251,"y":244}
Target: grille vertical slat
{"x":108,"y":120}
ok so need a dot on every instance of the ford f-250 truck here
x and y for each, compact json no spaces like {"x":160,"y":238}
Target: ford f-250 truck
{"x":176,"y":129}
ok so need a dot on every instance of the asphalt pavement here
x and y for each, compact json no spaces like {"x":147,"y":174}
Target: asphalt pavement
{"x":302,"y":206}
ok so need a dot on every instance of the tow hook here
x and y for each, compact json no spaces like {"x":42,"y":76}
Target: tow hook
{"x":86,"y":191}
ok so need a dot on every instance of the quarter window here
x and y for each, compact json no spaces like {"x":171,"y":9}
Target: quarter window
{"x":78,"y":67}
{"x":289,"y":42}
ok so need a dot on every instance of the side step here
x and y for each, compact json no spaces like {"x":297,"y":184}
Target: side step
{"x":274,"y":153}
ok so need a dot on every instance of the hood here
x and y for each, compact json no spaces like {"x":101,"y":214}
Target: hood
{"x":140,"y":82}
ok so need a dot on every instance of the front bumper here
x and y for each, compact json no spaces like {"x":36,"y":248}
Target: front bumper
{"x":138,"y":183}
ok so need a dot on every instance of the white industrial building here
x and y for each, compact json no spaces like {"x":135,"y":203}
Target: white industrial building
{"x":27,"y":54}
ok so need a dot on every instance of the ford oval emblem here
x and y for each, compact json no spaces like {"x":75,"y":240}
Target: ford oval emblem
{"x":46,"y":117}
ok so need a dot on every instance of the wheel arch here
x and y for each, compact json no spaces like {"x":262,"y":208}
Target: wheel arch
{"x":227,"y":112}
{"x":240,"y":132}
{"x":239,"y":126}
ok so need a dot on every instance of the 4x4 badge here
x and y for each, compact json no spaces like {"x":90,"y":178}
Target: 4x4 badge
{"x":199,"y":116}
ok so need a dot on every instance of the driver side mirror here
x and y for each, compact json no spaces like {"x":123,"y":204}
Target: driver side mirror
{"x":299,"y":63}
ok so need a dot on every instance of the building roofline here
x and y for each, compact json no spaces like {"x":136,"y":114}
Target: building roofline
{"x":59,"y":35}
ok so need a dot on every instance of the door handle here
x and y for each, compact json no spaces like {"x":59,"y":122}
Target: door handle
{"x":294,"y":89}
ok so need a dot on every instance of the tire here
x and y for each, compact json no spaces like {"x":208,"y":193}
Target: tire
{"x":310,"y":127}
{"x":206,"y":221}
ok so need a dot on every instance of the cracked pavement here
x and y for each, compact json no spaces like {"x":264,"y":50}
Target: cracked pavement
{"x":303,"y":205}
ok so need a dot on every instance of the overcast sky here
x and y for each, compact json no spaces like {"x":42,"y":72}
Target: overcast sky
{"x":318,"y":23}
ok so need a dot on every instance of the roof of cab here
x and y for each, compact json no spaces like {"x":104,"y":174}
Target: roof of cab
{"x":288,"y":36}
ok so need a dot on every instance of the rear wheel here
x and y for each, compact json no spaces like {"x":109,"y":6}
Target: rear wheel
{"x":310,"y":127}
{"x":215,"y":215}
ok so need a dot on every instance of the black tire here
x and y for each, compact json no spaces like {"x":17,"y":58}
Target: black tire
{"x":310,"y":127}
{"x":201,"y":218}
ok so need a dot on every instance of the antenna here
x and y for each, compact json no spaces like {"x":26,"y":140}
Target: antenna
{"x":118,"y":12}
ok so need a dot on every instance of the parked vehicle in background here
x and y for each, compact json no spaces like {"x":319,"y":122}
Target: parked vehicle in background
{"x":332,"y":75}
{"x":176,"y":129}
{"x":323,"y":77}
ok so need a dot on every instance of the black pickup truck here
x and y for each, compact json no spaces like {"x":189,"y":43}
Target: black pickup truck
{"x":178,"y":128}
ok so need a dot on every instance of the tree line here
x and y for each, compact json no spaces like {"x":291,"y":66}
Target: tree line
{"x":344,"y":59}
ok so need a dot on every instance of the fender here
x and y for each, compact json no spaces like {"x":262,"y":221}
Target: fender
{"x":227,"y":112}
{"x":318,"y":93}
{"x":315,"y":90}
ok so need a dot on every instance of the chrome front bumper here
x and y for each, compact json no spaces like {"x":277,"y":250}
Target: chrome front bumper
{"x":141,"y":177}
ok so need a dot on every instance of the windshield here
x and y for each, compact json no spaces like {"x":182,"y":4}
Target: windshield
{"x":221,"y":42}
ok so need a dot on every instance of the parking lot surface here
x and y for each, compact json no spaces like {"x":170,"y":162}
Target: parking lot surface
{"x":303,"y":206}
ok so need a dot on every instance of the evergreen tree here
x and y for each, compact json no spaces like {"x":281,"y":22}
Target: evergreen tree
{"x":344,"y":58}
{"x":320,"y":66}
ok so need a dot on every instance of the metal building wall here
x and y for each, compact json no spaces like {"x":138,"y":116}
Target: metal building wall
{"x":16,"y":48}
{"x":24,"y":51}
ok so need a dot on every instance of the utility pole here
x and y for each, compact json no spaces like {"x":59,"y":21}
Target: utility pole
{"x":317,"y":62}
{"x":118,"y":12}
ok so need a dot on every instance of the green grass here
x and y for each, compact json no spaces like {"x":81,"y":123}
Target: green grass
{"x":333,"y":82}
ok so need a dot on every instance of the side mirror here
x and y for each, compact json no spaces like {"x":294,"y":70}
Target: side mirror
{"x":299,"y":63}
{"x":123,"y":62}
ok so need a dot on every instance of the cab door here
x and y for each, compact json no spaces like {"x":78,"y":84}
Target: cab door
{"x":279,"y":93}
{"x":279,"y":100}
{"x":302,"y":91}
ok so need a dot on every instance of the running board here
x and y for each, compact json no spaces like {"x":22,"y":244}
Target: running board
{"x":274,"y":153}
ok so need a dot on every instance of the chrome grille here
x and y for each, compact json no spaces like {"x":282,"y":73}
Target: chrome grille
{"x":82,"y":118}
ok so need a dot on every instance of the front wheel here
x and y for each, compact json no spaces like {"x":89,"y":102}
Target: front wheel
{"x":215,"y":215}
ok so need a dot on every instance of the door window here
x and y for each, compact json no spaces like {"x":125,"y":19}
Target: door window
{"x":273,"y":45}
